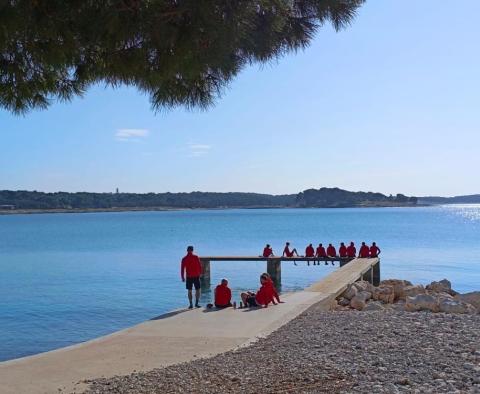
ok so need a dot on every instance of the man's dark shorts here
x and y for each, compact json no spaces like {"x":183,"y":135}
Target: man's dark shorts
{"x":194,"y":281}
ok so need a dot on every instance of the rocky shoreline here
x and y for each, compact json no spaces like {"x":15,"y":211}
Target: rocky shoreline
{"x":377,"y":350}
{"x":402,"y":295}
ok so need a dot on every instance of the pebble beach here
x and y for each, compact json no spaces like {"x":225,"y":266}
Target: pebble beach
{"x":387,"y":351}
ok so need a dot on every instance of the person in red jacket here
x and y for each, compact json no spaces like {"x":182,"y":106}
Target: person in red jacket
{"x":287,"y":252}
{"x":342,"y":250}
{"x":263,"y":297}
{"x":309,"y":252}
{"x":269,"y":282}
{"x":191,"y":268}
{"x":331,"y":252}
{"x":223,"y":295}
{"x":351,"y":250}
{"x":267,"y":251}
{"x":364,"y":251}
{"x":320,"y":253}
{"x":374,"y":250}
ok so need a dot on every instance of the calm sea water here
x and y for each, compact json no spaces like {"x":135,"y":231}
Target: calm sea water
{"x":67,"y":278}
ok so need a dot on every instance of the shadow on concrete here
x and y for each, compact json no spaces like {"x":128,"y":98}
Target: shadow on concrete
{"x":170,"y":314}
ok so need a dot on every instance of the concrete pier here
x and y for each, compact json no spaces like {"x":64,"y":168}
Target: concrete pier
{"x":173,"y":338}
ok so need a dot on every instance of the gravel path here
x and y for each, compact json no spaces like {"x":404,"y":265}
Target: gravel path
{"x":364,"y":352}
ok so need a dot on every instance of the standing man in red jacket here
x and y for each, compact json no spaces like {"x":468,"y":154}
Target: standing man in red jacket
{"x":192,"y":267}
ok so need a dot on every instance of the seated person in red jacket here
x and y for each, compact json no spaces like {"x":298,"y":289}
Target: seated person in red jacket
{"x":309,"y":252}
{"x":321,"y":253}
{"x":287,"y":252}
{"x":364,"y":252}
{"x":374,"y":250}
{"x":223,"y":295}
{"x":351,"y":250}
{"x":262,"y":298}
{"x":331,"y":252}
{"x":192,"y":267}
{"x":342,"y":250}
{"x":267,"y":251}
{"x":269,"y":282}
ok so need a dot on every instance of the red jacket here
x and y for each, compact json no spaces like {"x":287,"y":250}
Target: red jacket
{"x":342,"y":251}
{"x":267,"y":252}
{"x":309,"y":251}
{"x":364,"y":252}
{"x":351,"y":251}
{"x":191,"y":265}
{"x":274,"y":290}
{"x":374,"y":251}
{"x":321,"y":252}
{"x":223,"y":295}
{"x":265,"y":294}
{"x":331,"y":251}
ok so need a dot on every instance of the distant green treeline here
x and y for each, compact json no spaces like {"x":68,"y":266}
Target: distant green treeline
{"x":324,"y":197}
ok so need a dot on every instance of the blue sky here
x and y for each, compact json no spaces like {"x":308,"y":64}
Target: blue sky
{"x":390,"y":104}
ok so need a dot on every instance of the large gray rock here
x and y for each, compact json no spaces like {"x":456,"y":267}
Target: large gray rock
{"x":350,"y":292}
{"x":421,"y":302}
{"x":342,"y":301}
{"x":472,"y":298}
{"x":360,"y":300}
{"x":398,"y":286}
{"x":452,"y":306}
{"x":384,"y":293}
{"x":412,"y":291}
{"x":443,"y":286}
{"x":363,"y":285}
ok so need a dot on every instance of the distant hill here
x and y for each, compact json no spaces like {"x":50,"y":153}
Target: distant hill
{"x":322,"y":198}
{"x":338,"y":198}
{"x":470,"y":199}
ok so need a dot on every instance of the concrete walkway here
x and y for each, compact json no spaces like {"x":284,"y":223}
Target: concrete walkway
{"x":177,"y":337}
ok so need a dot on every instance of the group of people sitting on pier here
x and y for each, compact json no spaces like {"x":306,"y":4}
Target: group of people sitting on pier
{"x":321,"y":252}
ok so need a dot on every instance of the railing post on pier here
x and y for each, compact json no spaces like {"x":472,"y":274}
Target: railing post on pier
{"x":274,"y":269}
{"x":376,"y":274}
{"x":205,"y":278}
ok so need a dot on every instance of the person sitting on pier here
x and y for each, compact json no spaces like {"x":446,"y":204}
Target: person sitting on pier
{"x":364,"y":252}
{"x":268,"y":251}
{"x":374,"y":250}
{"x":321,"y":253}
{"x":223,"y":295}
{"x":287,"y":252}
{"x":331,"y":252}
{"x":263,"y":297}
{"x":192,"y":267}
{"x":310,"y":252}
{"x":351,"y":251}
{"x":342,"y":250}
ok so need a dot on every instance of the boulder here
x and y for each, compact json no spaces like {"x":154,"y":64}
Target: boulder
{"x":363,"y":285}
{"x":453,"y":306}
{"x":421,"y":302}
{"x":384,"y":293}
{"x":472,"y":298}
{"x":443,"y":286}
{"x":342,"y":301}
{"x":412,"y":291}
{"x":374,"y":306}
{"x":398,"y":286}
{"x":350,"y":292}
{"x":360,"y":300}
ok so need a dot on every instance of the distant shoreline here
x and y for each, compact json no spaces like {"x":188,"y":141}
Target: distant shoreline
{"x":7,"y":212}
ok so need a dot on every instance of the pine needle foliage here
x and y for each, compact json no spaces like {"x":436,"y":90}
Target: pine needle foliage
{"x":178,"y":52}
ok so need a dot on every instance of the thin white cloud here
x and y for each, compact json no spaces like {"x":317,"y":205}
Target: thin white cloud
{"x":131,"y":134}
{"x":197,"y":150}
